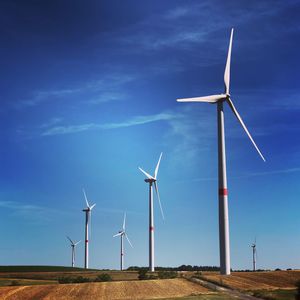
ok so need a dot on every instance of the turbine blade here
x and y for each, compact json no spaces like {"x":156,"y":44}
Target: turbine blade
{"x":158,"y":197}
{"x":128,"y":240}
{"x":85,"y":197}
{"x":209,"y":99}
{"x":77,"y":243}
{"x":227,"y":68}
{"x":120,"y":233}
{"x":92,"y":206}
{"x":229,"y":101}
{"x":124,"y":221}
{"x":157,"y":166}
{"x":70,"y":240}
{"x":147,"y":175}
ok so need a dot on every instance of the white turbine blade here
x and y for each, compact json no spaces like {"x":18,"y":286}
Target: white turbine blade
{"x":229,"y":101}
{"x":124,"y":221}
{"x":227,"y":68}
{"x":209,"y":99}
{"x":70,"y":240}
{"x":128,"y":240}
{"x":85,"y":197}
{"x":158,"y":197}
{"x":147,"y":175}
{"x":118,"y":234}
{"x":157,"y":166}
{"x":92,"y":206}
{"x":77,"y":243}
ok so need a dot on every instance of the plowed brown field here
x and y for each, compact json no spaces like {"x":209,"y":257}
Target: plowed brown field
{"x":148,"y":289}
{"x":257,"y":280}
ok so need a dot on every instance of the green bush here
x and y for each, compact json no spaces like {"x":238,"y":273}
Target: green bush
{"x":103,"y":277}
{"x":143,"y":274}
{"x":15,"y":283}
{"x":65,"y":280}
{"x":167,"y":274}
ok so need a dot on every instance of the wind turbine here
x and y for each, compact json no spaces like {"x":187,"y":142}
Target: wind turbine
{"x":152,"y":180}
{"x":123,"y":233}
{"x":219,"y":99}
{"x":254,"y":255}
{"x":88,"y":215}
{"x":73,"y":245}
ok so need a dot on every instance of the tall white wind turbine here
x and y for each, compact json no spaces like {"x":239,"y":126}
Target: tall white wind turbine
{"x":152,"y":180}
{"x":73,"y":245}
{"x":223,"y":192}
{"x":123,"y":233}
{"x":254,"y":255}
{"x":88,"y":216}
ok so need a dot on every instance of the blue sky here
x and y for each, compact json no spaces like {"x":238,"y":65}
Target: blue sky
{"x":88,"y":94}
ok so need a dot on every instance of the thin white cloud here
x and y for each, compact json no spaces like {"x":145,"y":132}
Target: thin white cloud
{"x":105,"y":89}
{"x":107,"y":97}
{"x":31,"y":212}
{"x":252,"y":174}
{"x":138,"y":120}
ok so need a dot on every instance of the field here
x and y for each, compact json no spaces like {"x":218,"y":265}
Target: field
{"x":42,"y":283}
{"x":150,"y":289}
{"x":256,"y":280}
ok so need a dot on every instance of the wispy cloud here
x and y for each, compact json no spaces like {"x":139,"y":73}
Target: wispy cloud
{"x":252,"y":174}
{"x":108,"y":88}
{"x":107,"y":97}
{"x":138,"y":120}
{"x":188,"y":24}
{"x":31,"y":212}
{"x":39,"y":97}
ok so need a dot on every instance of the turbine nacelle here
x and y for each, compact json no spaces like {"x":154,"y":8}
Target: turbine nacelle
{"x":153,"y":179}
{"x":148,"y":180}
{"x":123,"y":231}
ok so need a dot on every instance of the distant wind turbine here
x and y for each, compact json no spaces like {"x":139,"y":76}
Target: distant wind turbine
{"x":254,"y":255}
{"x":88,"y":216}
{"x":223,"y":192}
{"x":123,"y":233}
{"x":152,"y":180}
{"x":73,"y":245}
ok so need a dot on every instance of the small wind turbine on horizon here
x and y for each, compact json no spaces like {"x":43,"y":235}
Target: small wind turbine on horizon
{"x":152,"y":180}
{"x":219,"y":99}
{"x":123,"y":233}
{"x":254,"y":255}
{"x":88,"y":216}
{"x":73,"y":245}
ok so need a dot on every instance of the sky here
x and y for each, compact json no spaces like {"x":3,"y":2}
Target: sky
{"x":88,"y":94}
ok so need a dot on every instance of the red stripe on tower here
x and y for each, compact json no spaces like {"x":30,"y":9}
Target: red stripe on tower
{"x":86,"y":241}
{"x":223,"y":192}
{"x":151,"y":228}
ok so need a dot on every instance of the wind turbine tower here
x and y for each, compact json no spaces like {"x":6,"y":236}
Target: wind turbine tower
{"x":73,"y":245}
{"x":254,"y":255}
{"x":123,"y":233}
{"x":220,"y":99}
{"x":152,"y":180}
{"x":88,"y":216}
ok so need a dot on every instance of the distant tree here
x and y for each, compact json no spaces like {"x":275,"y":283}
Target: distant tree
{"x":167,"y":274}
{"x":103,"y":277}
{"x":14,"y":283}
{"x":143,"y":274}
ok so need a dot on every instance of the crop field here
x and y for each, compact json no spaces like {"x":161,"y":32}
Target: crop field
{"x":54,"y":276}
{"x":256,"y":280}
{"x":149,"y":289}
